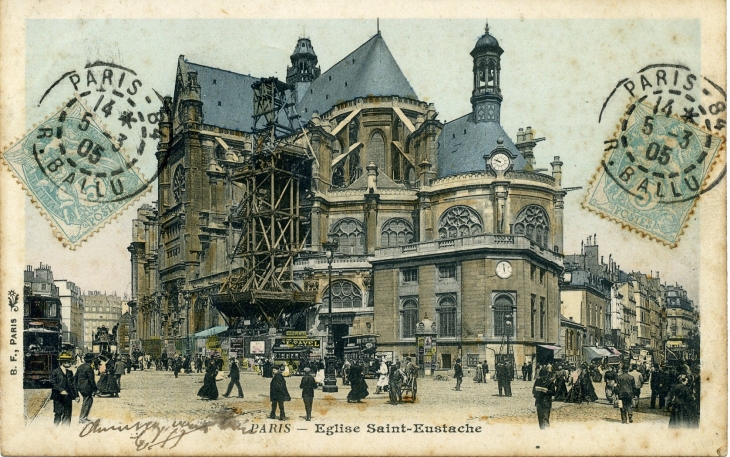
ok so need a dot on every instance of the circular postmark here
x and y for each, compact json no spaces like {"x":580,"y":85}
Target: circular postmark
{"x":661,"y":157}
{"x":130,"y":112}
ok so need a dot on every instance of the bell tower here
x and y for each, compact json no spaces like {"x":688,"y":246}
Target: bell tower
{"x":486,"y":98}
{"x":303,"y":68}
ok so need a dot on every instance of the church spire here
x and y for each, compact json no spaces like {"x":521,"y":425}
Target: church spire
{"x":486,"y":97}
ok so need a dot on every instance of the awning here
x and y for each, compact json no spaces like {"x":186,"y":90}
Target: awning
{"x":596,"y":353}
{"x":211,"y":331}
{"x":552,"y":348}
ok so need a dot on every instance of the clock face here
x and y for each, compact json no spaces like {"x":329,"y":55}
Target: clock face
{"x":504,"y":269}
{"x":500,"y":162}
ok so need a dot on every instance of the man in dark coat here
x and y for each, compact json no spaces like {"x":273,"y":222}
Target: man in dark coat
{"x":308,"y":384}
{"x":278,"y":394}
{"x":63,"y":390}
{"x":626,"y":394}
{"x":458,"y":373}
{"x":235,"y":375}
{"x":86,"y":386}
{"x":658,"y":388}
{"x":503,"y":380}
{"x":119,"y":368}
{"x":543,"y":391}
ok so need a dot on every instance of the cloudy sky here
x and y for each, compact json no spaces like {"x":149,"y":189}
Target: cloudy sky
{"x":555,"y":77}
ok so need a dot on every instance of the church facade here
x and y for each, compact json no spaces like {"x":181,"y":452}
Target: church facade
{"x":447,"y":222}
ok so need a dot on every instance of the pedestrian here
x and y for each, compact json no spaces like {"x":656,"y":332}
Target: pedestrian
{"x":657,"y":384}
{"x":395,"y":382}
{"x":107,"y":381}
{"x":63,"y":390}
{"x":485,"y":371}
{"x":86,"y":386}
{"x":503,"y":381}
{"x":543,"y":391}
{"x":529,"y":371}
{"x":382,"y":377}
{"x":235,"y":374}
{"x":625,"y":395}
{"x":478,"y":375}
{"x":307,"y":384}
{"x":458,"y":374}
{"x":524,"y":371}
{"x":209,"y":391}
{"x":278,"y":393}
{"x":586,"y":385}
{"x":638,"y":382}
{"x":119,"y":367}
{"x":177,"y":365}
{"x":199,"y":364}
{"x":358,"y":386}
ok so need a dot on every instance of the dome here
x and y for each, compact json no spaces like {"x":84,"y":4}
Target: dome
{"x":487,"y":42}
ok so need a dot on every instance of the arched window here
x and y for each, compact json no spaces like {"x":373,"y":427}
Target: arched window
{"x":409,"y":318}
{"x":336,"y":148}
{"x":353,"y":131}
{"x":410,"y":174}
{"x":338,"y":177}
{"x":395,"y":164}
{"x":504,"y":316}
{"x":396,"y":232}
{"x":447,"y":317}
{"x":376,"y":150}
{"x":355,"y":168}
{"x":459,"y":221}
{"x":491,"y":74}
{"x":533,"y":223}
{"x":482,"y":74}
{"x":345,"y":294}
{"x":178,"y":184}
{"x":351,"y":236}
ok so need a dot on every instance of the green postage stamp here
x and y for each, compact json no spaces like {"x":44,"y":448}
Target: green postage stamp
{"x":653,"y":172}
{"x":75,"y":173}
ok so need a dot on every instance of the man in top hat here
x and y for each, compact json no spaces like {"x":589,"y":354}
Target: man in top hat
{"x":458,"y":374}
{"x":235,"y":375}
{"x":86,"y":386}
{"x":307,"y":385}
{"x":63,"y":390}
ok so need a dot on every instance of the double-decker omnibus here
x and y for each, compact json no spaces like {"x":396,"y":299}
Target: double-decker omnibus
{"x":41,"y":340}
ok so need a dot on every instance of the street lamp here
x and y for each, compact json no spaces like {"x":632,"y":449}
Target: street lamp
{"x":330,"y":380}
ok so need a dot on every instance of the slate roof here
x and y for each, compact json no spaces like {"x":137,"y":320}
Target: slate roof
{"x":463,"y":144}
{"x":369,"y":70}
{"x":232,"y":90}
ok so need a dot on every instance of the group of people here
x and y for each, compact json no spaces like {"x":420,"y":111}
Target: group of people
{"x":504,"y":375}
{"x":67,"y":386}
{"x":573,"y":383}
{"x":677,"y":390}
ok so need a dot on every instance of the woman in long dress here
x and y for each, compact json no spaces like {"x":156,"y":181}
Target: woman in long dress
{"x":209,"y":391}
{"x":107,"y":383}
{"x":479,"y":373}
{"x":358,"y":386}
{"x":382,"y":378}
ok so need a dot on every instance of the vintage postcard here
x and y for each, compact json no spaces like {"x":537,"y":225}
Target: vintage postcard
{"x":363,"y":228}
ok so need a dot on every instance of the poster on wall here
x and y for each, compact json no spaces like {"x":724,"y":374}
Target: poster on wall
{"x":258,"y":347}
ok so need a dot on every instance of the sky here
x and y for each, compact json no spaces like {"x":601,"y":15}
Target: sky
{"x":555,"y":77}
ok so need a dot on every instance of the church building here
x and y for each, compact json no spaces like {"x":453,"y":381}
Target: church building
{"x":447,"y":229}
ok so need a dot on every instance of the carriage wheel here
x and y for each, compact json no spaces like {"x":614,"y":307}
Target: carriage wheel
{"x":413,"y":391}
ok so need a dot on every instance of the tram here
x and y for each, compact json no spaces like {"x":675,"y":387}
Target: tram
{"x":41,"y":340}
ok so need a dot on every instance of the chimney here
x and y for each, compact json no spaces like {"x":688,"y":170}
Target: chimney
{"x":557,"y":171}
{"x":525,"y":144}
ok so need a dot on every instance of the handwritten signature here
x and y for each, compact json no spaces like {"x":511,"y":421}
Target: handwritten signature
{"x":148,"y":435}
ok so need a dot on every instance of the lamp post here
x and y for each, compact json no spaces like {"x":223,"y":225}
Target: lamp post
{"x":330,"y":380}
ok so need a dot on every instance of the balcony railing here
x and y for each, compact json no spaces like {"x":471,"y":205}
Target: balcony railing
{"x":494,"y":241}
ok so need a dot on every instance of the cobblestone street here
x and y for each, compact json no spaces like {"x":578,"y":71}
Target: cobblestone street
{"x":159,"y":395}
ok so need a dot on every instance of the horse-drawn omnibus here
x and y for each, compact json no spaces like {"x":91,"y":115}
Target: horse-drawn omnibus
{"x":41,"y":339}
